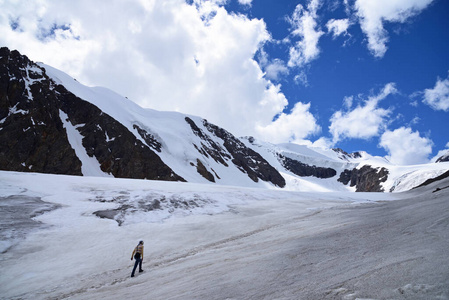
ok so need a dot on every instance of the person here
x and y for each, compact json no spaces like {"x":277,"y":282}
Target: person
{"x":138,"y":255}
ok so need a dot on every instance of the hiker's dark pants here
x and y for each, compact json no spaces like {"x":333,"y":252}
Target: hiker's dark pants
{"x":138,"y":262}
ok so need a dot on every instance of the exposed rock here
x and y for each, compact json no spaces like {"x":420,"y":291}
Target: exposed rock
{"x":201,"y":169}
{"x":305,"y":170}
{"x":210,"y":148}
{"x":345,"y":155}
{"x":365,"y":179}
{"x":246,"y":159}
{"x":149,"y":138}
{"x":443,"y":158}
{"x":33,"y":138}
{"x":117,"y":150}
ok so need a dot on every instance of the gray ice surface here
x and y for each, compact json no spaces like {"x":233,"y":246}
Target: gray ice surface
{"x":384,"y":250}
{"x":16,"y":218}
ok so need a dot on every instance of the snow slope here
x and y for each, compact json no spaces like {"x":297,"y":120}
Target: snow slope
{"x":400,"y":178}
{"x":230,"y":243}
{"x":170,"y":128}
{"x":180,"y":148}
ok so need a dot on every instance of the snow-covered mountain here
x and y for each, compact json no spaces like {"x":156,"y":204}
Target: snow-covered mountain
{"x":50,"y":123}
{"x":443,"y":158}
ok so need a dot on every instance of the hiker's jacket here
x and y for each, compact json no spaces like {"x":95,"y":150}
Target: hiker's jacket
{"x":138,"y":249}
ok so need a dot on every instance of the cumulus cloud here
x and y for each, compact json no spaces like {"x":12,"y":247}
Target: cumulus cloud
{"x":406,"y":147}
{"x":364,"y":121}
{"x":338,"y":27}
{"x":304,"y":24}
{"x":438,"y":96}
{"x":373,"y":14}
{"x":293,"y":127}
{"x":276,"y":69}
{"x":168,"y":55}
{"x":245,"y":2}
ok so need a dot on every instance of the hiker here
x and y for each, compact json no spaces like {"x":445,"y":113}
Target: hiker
{"x":138,"y":255}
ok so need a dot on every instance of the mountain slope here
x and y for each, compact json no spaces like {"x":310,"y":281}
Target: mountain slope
{"x":50,"y":123}
{"x":443,"y":158}
{"x":112,"y":135}
{"x":35,"y":115}
{"x":310,"y":169}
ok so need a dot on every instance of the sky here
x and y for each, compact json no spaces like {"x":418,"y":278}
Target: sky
{"x":353,"y":74}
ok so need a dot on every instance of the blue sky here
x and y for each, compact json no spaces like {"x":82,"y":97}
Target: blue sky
{"x":354,"y":74}
{"x":417,"y":54}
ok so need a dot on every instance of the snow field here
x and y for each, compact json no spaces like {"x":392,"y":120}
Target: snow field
{"x":244,"y":243}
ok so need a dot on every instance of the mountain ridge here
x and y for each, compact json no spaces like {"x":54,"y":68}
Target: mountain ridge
{"x":51,"y":123}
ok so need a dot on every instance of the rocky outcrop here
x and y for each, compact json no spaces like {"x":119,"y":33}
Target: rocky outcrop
{"x":304,"y":170}
{"x":117,"y":150}
{"x":208,"y":147}
{"x":246,"y":159}
{"x":201,"y":169}
{"x":345,"y":155}
{"x":443,"y":158}
{"x":150,"y":139}
{"x":365,"y":179}
{"x":33,"y":137}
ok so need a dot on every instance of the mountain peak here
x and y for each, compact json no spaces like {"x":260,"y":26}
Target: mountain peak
{"x":51,"y":123}
{"x":443,"y":158}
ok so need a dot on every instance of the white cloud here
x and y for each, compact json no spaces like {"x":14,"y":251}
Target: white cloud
{"x":301,"y":78}
{"x":406,"y":147}
{"x":338,"y":27}
{"x":373,"y":14}
{"x":304,"y":26}
{"x":438,"y":96}
{"x":293,"y":127}
{"x":347,"y":7}
{"x":275,"y":69}
{"x":245,"y":2}
{"x":363,"y":122}
{"x":323,"y":143}
{"x":166,"y":55}
{"x":415,"y":121}
{"x":347,"y":102}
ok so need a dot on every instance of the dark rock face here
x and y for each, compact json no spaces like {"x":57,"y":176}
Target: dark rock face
{"x":149,"y":138}
{"x":245,"y":159}
{"x":200,"y":168}
{"x":117,"y":150}
{"x":209,"y":148}
{"x":345,"y":155}
{"x":33,"y":138}
{"x":305,"y":170}
{"x":443,"y":158}
{"x":365,"y":179}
